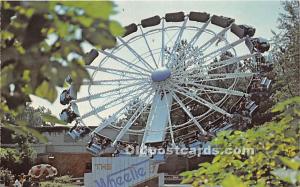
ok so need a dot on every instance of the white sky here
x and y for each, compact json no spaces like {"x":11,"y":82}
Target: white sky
{"x":260,"y":14}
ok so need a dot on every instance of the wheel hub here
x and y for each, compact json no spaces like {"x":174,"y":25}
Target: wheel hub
{"x":160,"y":74}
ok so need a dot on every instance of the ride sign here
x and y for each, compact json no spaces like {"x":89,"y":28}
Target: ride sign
{"x":122,"y":172}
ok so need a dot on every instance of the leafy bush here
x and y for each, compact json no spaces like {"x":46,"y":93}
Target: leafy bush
{"x":54,"y":184}
{"x":5,"y":175}
{"x":20,"y":159}
{"x":9,"y":159}
{"x":63,"y":179}
{"x":274,"y":163}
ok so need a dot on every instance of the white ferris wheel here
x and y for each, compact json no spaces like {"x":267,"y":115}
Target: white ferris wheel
{"x":170,"y":79}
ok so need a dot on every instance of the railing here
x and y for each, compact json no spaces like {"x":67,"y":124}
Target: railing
{"x":78,"y":181}
{"x":172,"y":180}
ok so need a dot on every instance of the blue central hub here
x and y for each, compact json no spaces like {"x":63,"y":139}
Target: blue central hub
{"x":160,"y":74}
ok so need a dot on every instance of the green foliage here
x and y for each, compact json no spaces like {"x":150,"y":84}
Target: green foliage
{"x":274,"y":163}
{"x":25,"y":122}
{"x":97,"y":10}
{"x":24,"y":130}
{"x":46,"y":90}
{"x":115,"y":28}
{"x":54,"y":184}
{"x":291,"y":171}
{"x":9,"y":156}
{"x":14,"y":160}
{"x":232,"y":180}
{"x":5,"y":175}
{"x":63,"y":179}
{"x":286,"y":53}
{"x":18,"y":160}
{"x":50,"y":118}
{"x":280,"y":107}
{"x":41,"y":44}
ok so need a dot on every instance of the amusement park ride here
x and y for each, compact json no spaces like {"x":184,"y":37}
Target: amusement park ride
{"x":172,"y":81}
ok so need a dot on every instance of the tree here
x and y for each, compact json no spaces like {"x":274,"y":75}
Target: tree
{"x":286,"y":53}
{"x":42,"y":43}
{"x":24,"y":124}
{"x":5,"y":176}
{"x":20,"y":159}
{"x":15,"y":161}
{"x":35,"y":116}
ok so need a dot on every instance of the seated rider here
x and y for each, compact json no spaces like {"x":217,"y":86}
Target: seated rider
{"x":74,"y":127}
{"x":261,"y":45}
{"x":65,"y":97}
{"x":68,"y":115}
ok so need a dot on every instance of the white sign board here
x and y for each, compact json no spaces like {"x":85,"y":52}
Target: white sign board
{"x":117,"y":171}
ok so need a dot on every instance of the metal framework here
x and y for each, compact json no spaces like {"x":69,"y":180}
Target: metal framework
{"x":179,"y":62}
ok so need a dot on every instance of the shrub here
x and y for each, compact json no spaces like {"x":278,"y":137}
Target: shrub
{"x":276,"y":160}
{"x":54,"y":184}
{"x":63,"y":179}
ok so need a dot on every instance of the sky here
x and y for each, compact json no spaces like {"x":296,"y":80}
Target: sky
{"x":260,"y":14}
